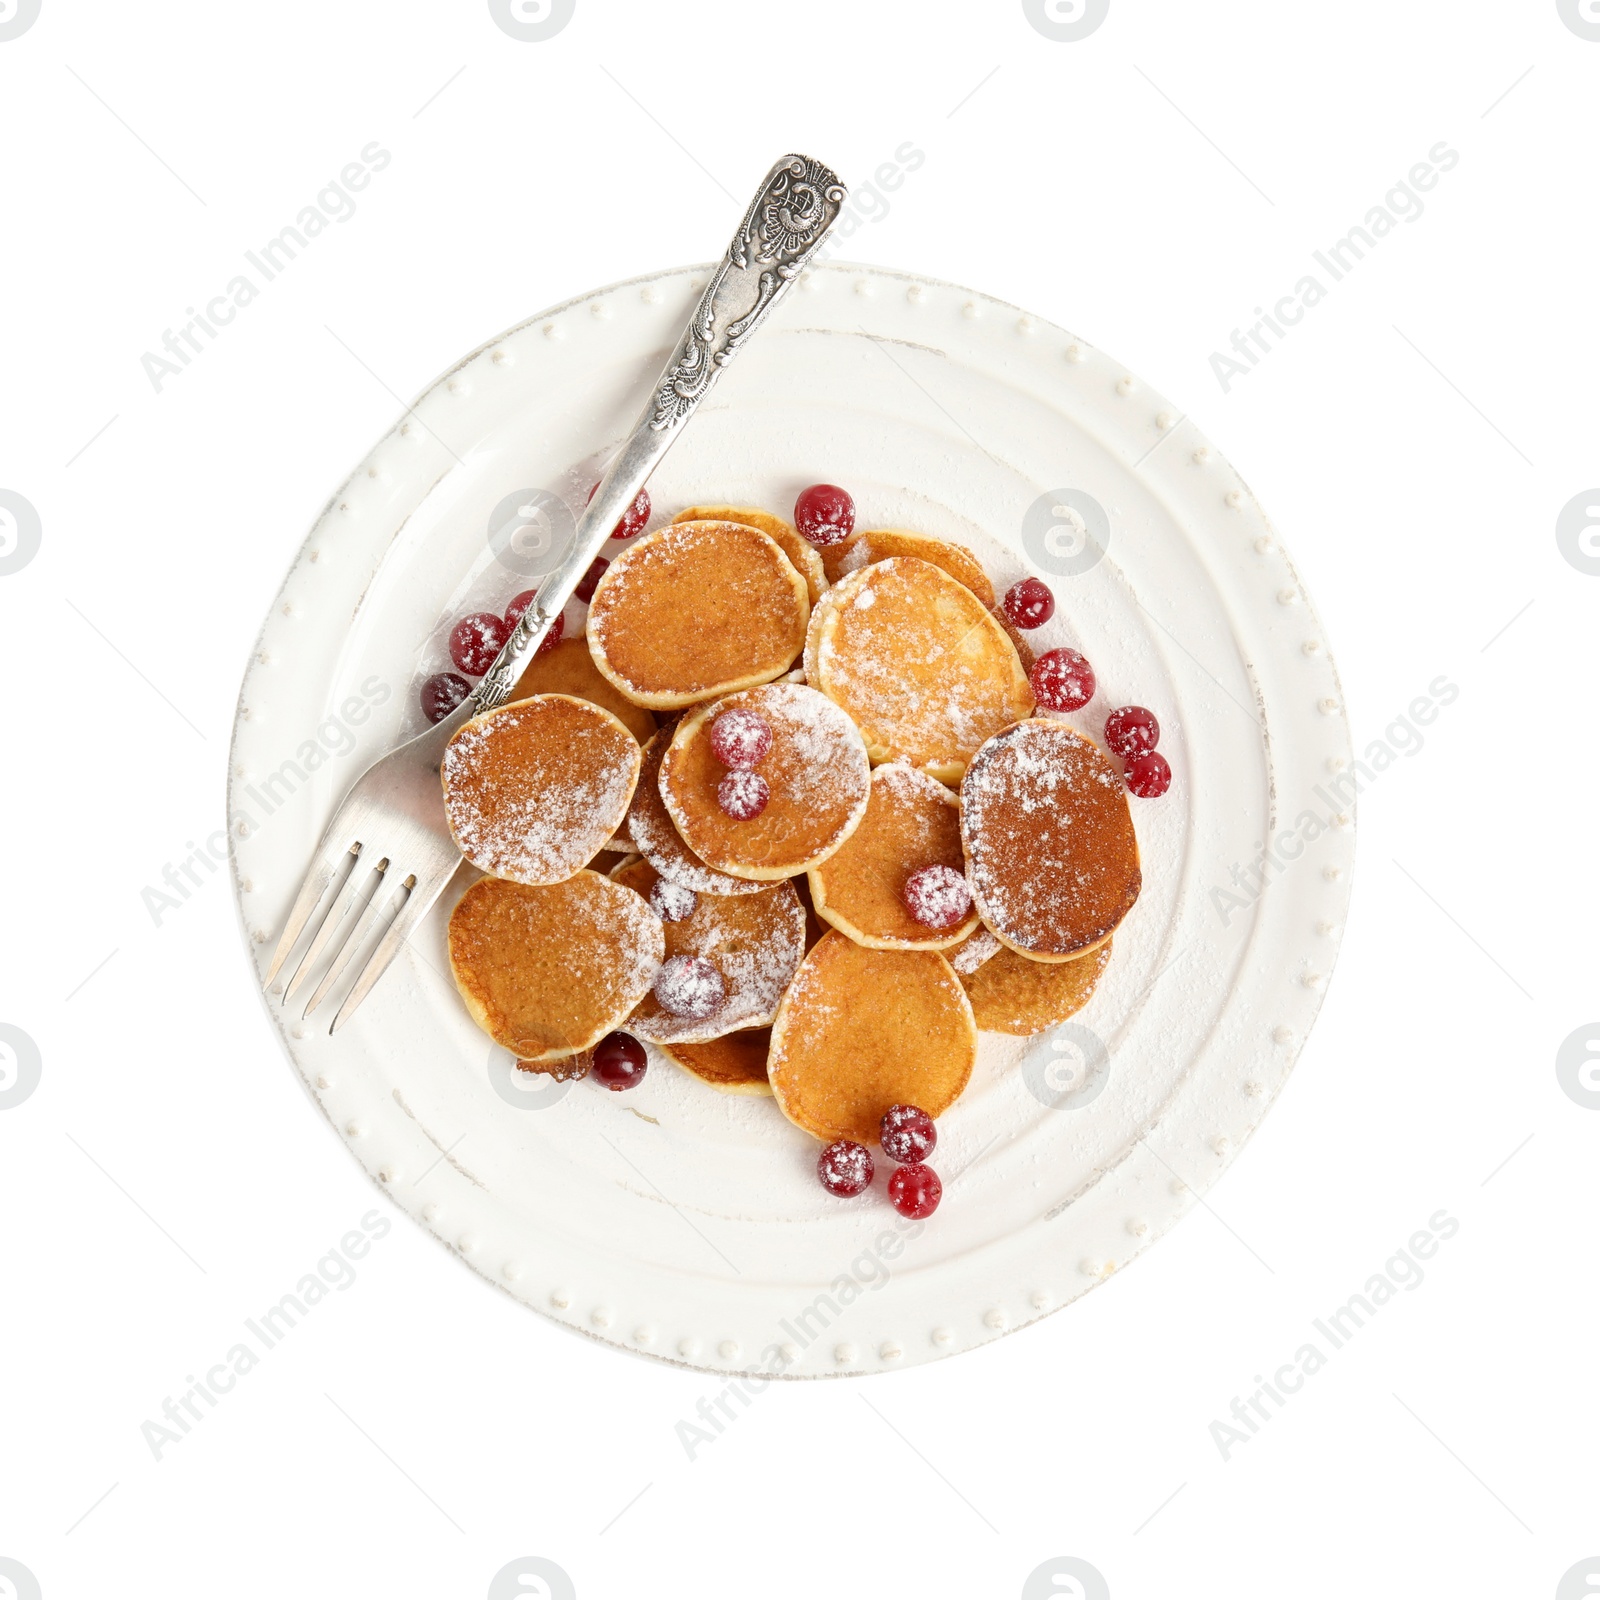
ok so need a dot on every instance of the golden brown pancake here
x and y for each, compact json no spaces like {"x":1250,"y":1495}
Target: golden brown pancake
{"x":1011,"y":994}
{"x":568,"y":668}
{"x":817,"y":770}
{"x":802,"y":554}
{"x":695,"y":610}
{"x":736,"y":1063}
{"x":656,"y":836}
{"x":755,"y":941}
{"x":566,"y":1070}
{"x":550,"y":971}
{"x":1019,"y":640}
{"x":534,"y":789}
{"x":1051,"y":852}
{"x":918,"y":663}
{"x":912,"y":822}
{"x":861,"y":1030}
{"x":879,"y":544}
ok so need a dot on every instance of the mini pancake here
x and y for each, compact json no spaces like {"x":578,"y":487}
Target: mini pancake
{"x":568,"y":668}
{"x":695,"y":610}
{"x":656,"y":836}
{"x":817,"y":770}
{"x":1011,"y":994}
{"x":534,"y":789}
{"x":912,"y":821}
{"x":919,"y":664}
{"x":1019,"y":640}
{"x":861,"y":1030}
{"x":803,"y":555}
{"x":736,"y":1063}
{"x":1051,"y":853}
{"x":972,"y":952}
{"x":550,"y":971}
{"x":566,"y":1070}
{"x":879,"y":544}
{"x":755,"y":941}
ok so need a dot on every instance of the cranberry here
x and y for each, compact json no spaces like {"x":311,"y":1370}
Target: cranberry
{"x":915,"y":1191}
{"x":619,"y":1062}
{"x":690,"y":987}
{"x":1029,"y":604}
{"x":671,"y":901}
{"x":907,"y":1134}
{"x":476,"y":640}
{"x":845,"y":1168}
{"x":442,"y":693}
{"x":825,"y":514}
{"x":1149,"y":776}
{"x":633,"y":519}
{"x":740,"y":738}
{"x":518,"y":606}
{"x":743,"y":795}
{"x":591,"y":579}
{"x":937,"y":897}
{"x":1132,"y":731}
{"x":1062,"y":680}
{"x":552,"y":636}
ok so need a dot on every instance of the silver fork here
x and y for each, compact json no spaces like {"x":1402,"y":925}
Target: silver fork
{"x":388,"y":853}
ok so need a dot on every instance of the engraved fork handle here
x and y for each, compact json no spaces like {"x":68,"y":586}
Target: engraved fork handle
{"x":797,"y":203}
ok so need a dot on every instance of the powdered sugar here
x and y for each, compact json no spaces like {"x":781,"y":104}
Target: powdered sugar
{"x":690,"y":987}
{"x":937,"y":897}
{"x":671,"y":901}
{"x":968,"y":957}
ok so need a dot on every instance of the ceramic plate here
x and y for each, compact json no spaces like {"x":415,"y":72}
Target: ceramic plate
{"x":688,"y":1225}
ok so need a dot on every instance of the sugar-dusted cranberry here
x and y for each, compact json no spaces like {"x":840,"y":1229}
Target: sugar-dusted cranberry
{"x":590,"y":581}
{"x":825,"y":514}
{"x":476,"y":640}
{"x":442,"y":693}
{"x":741,"y":738}
{"x":845,"y":1168}
{"x":1062,"y":680}
{"x":907,"y":1134}
{"x":690,"y":987}
{"x":743,"y":795}
{"x":1149,"y":776}
{"x":1030,"y":604}
{"x":1132,"y":731}
{"x":619,"y":1062}
{"x":633,"y":519}
{"x":937,"y":897}
{"x":671,"y":901}
{"x":915,"y":1191}
{"x":518,"y":605}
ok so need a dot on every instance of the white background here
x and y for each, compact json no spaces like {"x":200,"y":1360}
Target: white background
{"x":1414,"y":440}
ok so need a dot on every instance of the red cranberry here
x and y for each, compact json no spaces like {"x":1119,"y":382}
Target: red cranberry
{"x":1029,"y":604}
{"x":845,"y":1168}
{"x":553,"y":637}
{"x":915,"y":1191}
{"x":690,"y":987}
{"x":907,"y":1134}
{"x":671,"y":901}
{"x":937,"y":897}
{"x":740,"y":738}
{"x":619,"y":1062}
{"x":1062,"y":680}
{"x":442,"y":693}
{"x":1149,"y":776}
{"x":743,"y":795}
{"x":588,"y":583}
{"x":1132,"y":731}
{"x":825,"y":514}
{"x":476,"y":640}
{"x":518,"y":606}
{"x":633,"y":519}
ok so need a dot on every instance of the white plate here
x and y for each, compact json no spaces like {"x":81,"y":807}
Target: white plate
{"x":689,"y":1225}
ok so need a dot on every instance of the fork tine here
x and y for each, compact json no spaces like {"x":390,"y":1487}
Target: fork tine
{"x":316,"y":882}
{"x":416,"y":906}
{"x":335,"y":920}
{"x":376,"y":902}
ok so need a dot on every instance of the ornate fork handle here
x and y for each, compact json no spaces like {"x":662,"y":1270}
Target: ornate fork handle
{"x":797,"y":203}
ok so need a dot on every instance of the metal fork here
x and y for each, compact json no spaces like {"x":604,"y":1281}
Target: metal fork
{"x":388,"y":854}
